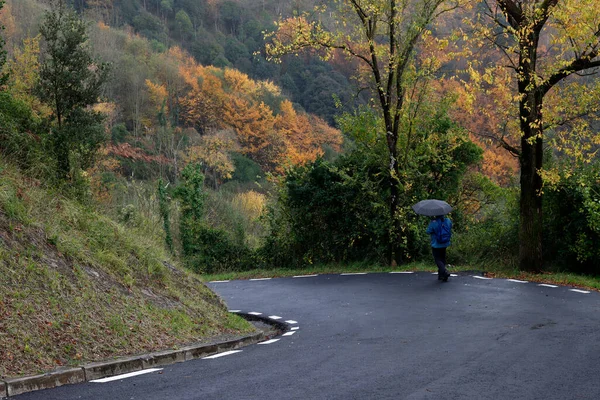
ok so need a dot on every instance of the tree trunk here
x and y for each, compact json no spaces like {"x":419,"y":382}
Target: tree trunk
{"x":530,"y":228}
{"x":532,"y":152}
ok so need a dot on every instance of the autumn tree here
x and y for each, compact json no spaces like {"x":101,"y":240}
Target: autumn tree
{"x":382,"y":35}
{"x":548,"y":45}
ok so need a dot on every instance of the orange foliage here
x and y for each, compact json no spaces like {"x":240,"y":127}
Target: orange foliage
{"x":212,"y":99}
{"x":476,"y":113}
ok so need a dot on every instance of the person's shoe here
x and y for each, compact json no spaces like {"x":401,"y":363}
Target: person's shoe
{"x":444,"y":277}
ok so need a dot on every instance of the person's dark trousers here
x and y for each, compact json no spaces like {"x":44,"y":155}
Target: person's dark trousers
{"x":439,"y":255}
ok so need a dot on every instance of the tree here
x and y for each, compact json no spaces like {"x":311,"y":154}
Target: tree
{"x":3,"y":75}
{"x":543,"y":42}
{"x":382,"y":35}
{"x":184,"y":24}
{"x":70,"y":81}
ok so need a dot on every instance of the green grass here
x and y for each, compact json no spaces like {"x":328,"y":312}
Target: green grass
{"x":77,"y":286}
{"x":498,"y":271}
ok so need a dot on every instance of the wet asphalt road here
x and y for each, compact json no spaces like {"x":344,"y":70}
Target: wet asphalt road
{"x":391,"y":336}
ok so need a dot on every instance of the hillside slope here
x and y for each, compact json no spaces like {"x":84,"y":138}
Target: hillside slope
{"x":76,"y":286}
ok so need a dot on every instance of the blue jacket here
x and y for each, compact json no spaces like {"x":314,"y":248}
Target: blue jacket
{"x":433,"y":227}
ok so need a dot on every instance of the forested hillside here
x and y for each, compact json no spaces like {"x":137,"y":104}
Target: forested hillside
{"x":230,"y":34}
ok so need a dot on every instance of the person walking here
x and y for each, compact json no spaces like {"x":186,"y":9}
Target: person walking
{"x":440,"y":230}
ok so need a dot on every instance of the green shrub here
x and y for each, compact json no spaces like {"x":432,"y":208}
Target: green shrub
{"x":572,"y":221}
{"x":206,"y":249}
{"x":19,"y":140}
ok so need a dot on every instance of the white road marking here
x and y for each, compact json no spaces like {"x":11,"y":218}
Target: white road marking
{"x":454,"y":275}
{"x":255,"y":313}
{"x":274,"y":317}
{"x":270,"y":341}
{"x":295,"y":328}
{"x":546,"y":285}
{"x":261,"y":279}
{"x":354,"y":273}
{"x":517,"y":281}
{"x":235,"y":311}
{"x":434,"y":273}
{"x":402,"y":272}
{"x":124,"y":376}
{"x":215,"y":282}
{"x":481,"y":277}
{"x":305,"y":276}
{"x":289,"y":333}
{"x":291,"y":321}
{"x":226,"y":353}
{"x":580,"y":291}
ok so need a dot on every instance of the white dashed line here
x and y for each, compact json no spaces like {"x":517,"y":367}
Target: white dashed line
{"x":402,"y":272}
{"x":295,"y":328}
{"x":454,"y":275}
{"x":579,"y":291}
{"x":434,"y":273}
{"x":517,"y":281}
{"x":354,"y":273}
{"x":270,"y":341}
{"x":291,"y":321}
{"x":261,"y":279}
{"x":124,"y":376}
{"x":305,"y":276}
{"x":255,"y":313}
{"x":480,"y":277}
{"x":226,"y":353}
{"x":289,"y":333}
{"x":215,"y":282}
{"x":546,"y":285}
{"x":274,"y":317}
{"x":235,"y":311}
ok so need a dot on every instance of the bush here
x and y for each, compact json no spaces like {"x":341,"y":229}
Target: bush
{"x":493,"y":237}
{"x":328,"y":213}
{"x":19,"y":140}
{"x":572,"y":221}
{"x":206,"y":249}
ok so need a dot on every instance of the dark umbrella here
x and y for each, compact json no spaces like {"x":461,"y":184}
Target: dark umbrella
{"x":432,"y":208}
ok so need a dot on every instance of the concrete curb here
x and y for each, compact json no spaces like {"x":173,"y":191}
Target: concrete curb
{"x":51,"y":379}
{"x":103,"y":369}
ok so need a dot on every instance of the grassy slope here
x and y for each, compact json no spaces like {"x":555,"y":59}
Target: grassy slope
{"x":75,"y":286}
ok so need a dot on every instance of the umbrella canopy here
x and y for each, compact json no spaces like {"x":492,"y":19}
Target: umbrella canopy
{"x":432,"y":207}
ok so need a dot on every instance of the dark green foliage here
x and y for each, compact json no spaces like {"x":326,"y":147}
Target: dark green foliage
{"x":338,"y":211}
{"x":246,"y":170}
{"x":235,"y":50}
{"x":572,"y":221}
{"x":3,"y":75}
{"x":18,"y":132}
{"x":490,"y":237}
{"x":205,"y":249}
{"x":150,"y":26}
{"x":190,"y":193}
{"x":206,"y":50}
{"x":329,"y":212}
{"x":78,"y":139}
{"x":231,"y":15}
{"x":70,"y":81}
{"x":165,"y":213}
{"x":118,"y":133}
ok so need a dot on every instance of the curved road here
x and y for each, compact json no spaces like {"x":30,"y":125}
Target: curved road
{"x":391,"y":336}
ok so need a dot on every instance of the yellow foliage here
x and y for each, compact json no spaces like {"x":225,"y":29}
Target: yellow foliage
{"x":251,"y":204}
